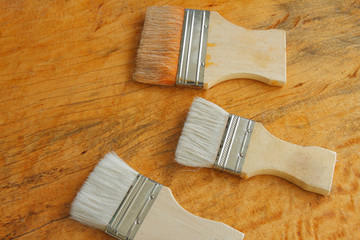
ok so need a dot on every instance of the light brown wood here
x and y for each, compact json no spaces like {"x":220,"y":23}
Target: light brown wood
{"x":168,"y":220}
{"x":67,"y":98}
{"x":235,"y":52}
{"x":311,"y":168}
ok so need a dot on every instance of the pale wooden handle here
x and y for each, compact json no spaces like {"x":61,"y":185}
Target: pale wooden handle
{"x":168,"y":220}
{"x":234,"y":52}
{"x":311,"y":168}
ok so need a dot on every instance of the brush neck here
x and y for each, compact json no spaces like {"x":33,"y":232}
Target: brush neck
{"x":168,"y":220}
{"x":234,"y":52}
{"x":311,"y":168}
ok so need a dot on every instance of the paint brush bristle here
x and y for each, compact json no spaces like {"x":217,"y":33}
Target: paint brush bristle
{"x":202,"y":134}
{"x":103,"y":191}
{"x":158,"y":53}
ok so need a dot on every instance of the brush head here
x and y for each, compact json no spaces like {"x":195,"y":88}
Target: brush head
{"x":157,"y":56}
{"x":103,"y":191}
{"x":201,"y":136}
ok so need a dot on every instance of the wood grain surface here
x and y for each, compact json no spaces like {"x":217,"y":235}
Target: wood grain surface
{"x":67,"y":98}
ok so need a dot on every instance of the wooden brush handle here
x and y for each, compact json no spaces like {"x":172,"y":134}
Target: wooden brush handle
{"x":168,"y":220}
{"x":234,"y":52}
{"x":311,"y":168}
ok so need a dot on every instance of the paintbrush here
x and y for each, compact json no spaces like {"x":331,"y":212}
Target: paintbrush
{"x":200,"y":49}
{"x":126,"y":205}
{"x":212,"y":137}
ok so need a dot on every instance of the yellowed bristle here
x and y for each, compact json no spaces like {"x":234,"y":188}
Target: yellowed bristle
{"x":158,"y":54}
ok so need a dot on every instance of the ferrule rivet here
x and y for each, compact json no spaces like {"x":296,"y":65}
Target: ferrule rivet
{"x":202,"y":64}
{"x":248,"y":130}
{"x":152,"y":196}
{"x":205,"y":26}
{"x":137,"y":221}
{"x":241,"y":155}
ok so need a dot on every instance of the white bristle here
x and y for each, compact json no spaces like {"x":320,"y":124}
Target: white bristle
{"x":202,"y":134}
{"x":103,"y":191}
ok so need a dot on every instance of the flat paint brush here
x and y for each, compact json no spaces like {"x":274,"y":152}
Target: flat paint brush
{"x":212,"y":137}
{"x":200,"y":49}
{"x":126,"y":205}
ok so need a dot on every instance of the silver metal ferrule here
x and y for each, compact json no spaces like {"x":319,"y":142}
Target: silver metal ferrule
{"x":234,"y":144}
{"x":192,"y":54}
{"x":133,"y":209}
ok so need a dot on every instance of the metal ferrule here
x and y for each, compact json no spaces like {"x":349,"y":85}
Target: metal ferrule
{"x":192,"y":54}
{"x":133,"y":209}
{"x":234,"y":144}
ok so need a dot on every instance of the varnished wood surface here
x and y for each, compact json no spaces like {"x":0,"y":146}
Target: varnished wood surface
{"x":67,"y":98}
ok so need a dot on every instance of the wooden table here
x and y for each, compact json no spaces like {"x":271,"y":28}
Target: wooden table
{"x":67,"y":98}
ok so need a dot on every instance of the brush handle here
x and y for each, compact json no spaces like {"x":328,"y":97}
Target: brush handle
{"x":168,"y":220}
{"x":234,"y":52}
{"x":311,"y":168}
